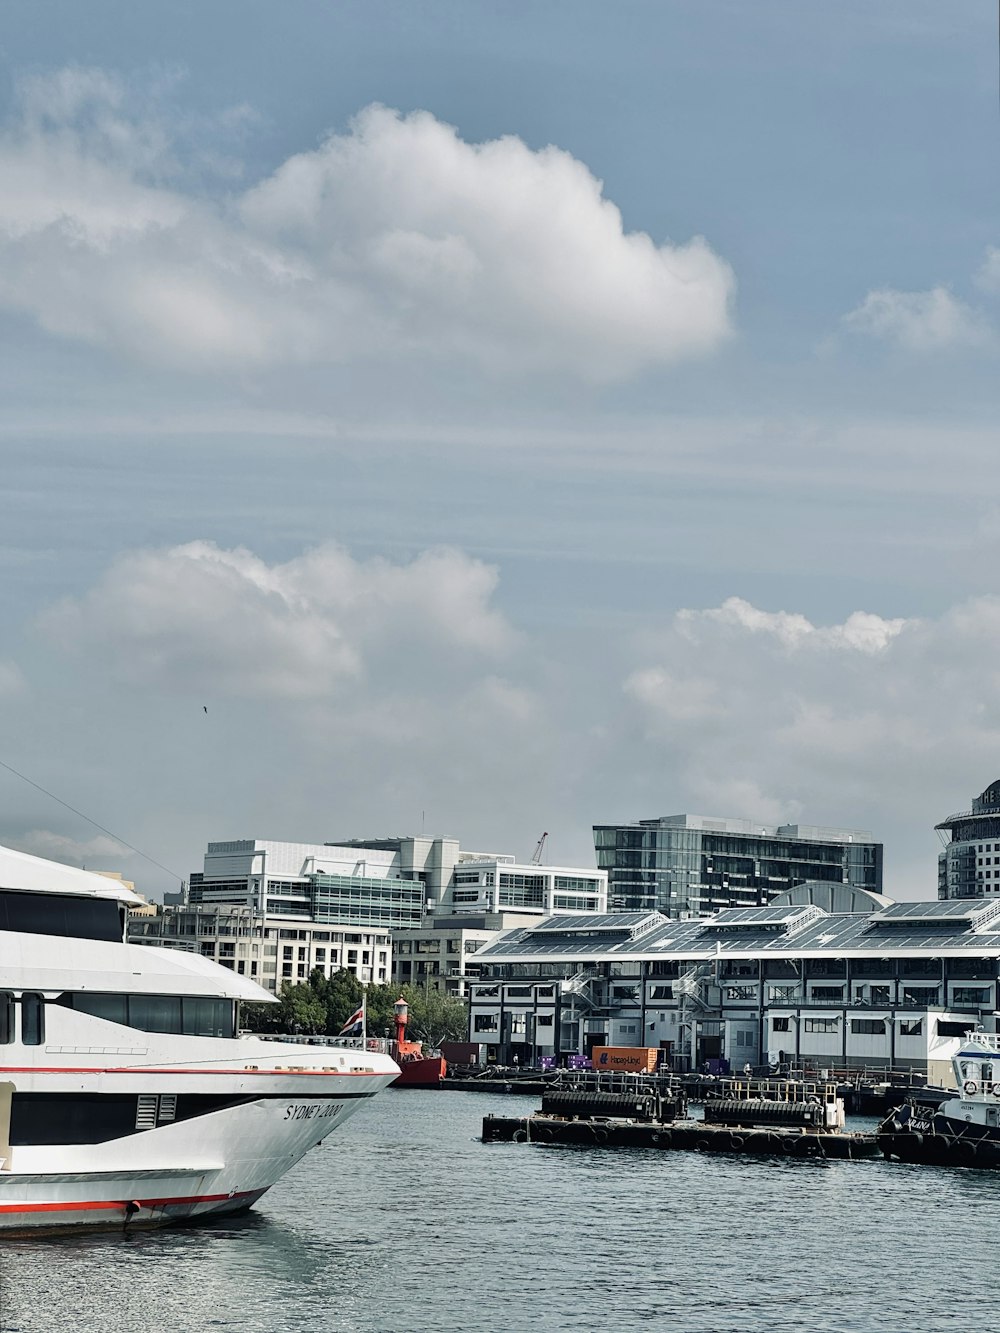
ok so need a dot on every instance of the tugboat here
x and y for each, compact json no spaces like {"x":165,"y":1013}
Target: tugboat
{"x":962,"y":1130}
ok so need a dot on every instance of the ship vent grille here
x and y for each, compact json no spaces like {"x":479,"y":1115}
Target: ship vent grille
{"x":168,"y":1107}
{"x":145,"y":1113}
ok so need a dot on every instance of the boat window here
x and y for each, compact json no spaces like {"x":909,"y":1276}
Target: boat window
{"x":60,"y":914}
{"x":113,"y":1008}
{"x":6,"y":1018}
{"x":192,"y":1015}
{"x":32,"y":1019}
{"x":155,"y":1013}
{"x":987,"y":1072}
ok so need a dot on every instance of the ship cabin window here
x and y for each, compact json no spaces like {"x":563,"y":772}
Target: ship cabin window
{"x":187,"y":1015}
{"x":60,"y":914}
{"x":32,"y":1019}
{"x":6,"y":1018}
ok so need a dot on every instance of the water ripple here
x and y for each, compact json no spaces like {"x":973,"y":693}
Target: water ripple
{"x":404,"y":1221}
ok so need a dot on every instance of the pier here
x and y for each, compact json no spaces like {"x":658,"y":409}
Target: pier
{"x":684,"y":1136}
{"x":774,"y":1118}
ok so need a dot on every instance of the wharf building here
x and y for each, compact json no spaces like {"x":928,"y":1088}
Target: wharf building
{"x":969,"y":865}
{"x":881,"y":985}
{"x":691,"y":865}
{"x":276,"y":911}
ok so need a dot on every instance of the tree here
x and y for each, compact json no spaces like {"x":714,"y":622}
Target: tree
{"x":379,"y":1003}
{"x":301,"y":1009}
{"x":340,"y":994}
{"x":260,"y":1017}
{"x":435,"y":1017}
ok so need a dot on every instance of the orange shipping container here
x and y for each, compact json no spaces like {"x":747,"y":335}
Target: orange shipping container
{"x":625,"y":1059}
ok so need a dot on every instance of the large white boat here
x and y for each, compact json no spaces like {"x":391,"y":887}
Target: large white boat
{"x":128,"y":1096}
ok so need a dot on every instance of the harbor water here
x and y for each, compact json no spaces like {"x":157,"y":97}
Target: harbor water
{"x":404,"y":1221}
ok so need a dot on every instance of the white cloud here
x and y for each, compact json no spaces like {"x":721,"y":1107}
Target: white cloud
{"x":196,"y":617}
{"x":860,"y":632}
{"x":920,"y":321}
{"x":870,"y":722}
{"x":395,"y":238}
{"x":91,"y":852}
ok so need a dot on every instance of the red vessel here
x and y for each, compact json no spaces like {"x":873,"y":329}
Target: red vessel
{"x":417,"y":1070}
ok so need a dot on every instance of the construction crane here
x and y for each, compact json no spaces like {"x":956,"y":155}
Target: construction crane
{"x":536,"y":860}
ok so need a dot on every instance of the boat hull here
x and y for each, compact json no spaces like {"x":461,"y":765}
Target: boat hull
{"x":203,"y":1165}
{"x":916,"y":1134}
{"x":424,"y":1072}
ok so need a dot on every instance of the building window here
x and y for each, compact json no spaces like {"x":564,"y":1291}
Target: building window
{"x":915,"y":1027}
{"x":827,"y":992}
{"x":950,"y":1029}
{"x":741,"y":992}
{"x":976,"y":995}
{"x":869,"y":1027}
{"x":486,"y":1023}
{"x":821,"y":1024}
{"x":781,"y":1025}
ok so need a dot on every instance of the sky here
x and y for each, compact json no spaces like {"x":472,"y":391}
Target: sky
{"x":495,"y":420}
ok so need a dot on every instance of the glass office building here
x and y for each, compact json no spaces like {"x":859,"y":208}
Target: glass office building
{"x":690,"y":865}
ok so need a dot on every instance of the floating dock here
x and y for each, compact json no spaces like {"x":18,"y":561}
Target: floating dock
{"x":683,"y":1135}
{"x":644,"y":1118}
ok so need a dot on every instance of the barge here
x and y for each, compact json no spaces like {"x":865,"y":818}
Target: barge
{"x":812,"y":1127}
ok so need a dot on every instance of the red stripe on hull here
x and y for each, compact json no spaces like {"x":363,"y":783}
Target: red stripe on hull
{"x":94,"y":1205}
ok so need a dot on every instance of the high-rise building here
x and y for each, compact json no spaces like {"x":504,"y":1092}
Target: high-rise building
{"x":969,"y":865}
{"x":690,"y":865}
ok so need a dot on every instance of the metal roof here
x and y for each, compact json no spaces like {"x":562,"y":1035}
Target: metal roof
{"x":749,"y":918}
{"x":955,"y":909}
{"x":951,"y":933}
{"x":609,"y":923}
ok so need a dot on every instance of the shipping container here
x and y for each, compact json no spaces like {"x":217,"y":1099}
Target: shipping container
{"x":625,"y":1059}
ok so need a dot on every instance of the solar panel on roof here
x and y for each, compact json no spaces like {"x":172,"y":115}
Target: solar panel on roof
{"x":956,"y":915}
{"x":614,"y":922}
{"x":761,"y":916}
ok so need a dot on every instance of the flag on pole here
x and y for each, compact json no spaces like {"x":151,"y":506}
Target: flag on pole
{"x":354,"y":1025}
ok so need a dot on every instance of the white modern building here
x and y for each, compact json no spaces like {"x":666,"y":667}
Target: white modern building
{"x":275,"y":911}
{"x":464,"y":882}
{"x":269,"y":948}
